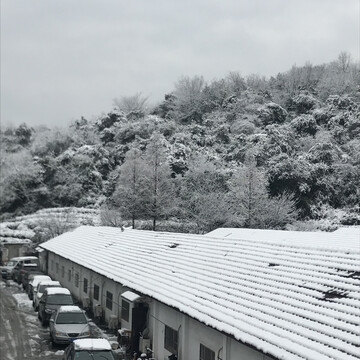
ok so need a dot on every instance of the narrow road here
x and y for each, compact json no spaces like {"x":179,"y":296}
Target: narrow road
{"x":14,"y":339}
{"x":21,"y":334}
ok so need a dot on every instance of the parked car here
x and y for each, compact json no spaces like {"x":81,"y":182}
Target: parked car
{"x":7,"y":270}
{"x":39,"y":290}
{"x":89,"y":349}
{"x":34,"y":279}
{"x":67,"y":324}
{"x":28,"y":272}
{"x":15,"y":273}
{"x":51,"y":300}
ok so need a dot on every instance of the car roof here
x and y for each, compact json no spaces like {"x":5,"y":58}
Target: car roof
{"x":57,"y":290}
{"x":92,"y":344}
{"x":30,"y":265}
{"x":20,"y":258}
{"x":69,"y":308}
{"x":39,"y":278}
{"x":49,"y":282}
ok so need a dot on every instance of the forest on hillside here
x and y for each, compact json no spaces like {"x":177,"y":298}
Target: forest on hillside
{"x":237,"y":151}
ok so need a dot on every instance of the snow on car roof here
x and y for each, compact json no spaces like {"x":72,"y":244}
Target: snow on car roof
{"x":92,"y":344}
{"x":57,"y":290}
{"x":39,"y":278}
{"x":30,"y":265}
{"x":49,"y":282}
{"x":69,"y":308}
{"x":290,"y":299}
{"x":20,"y":258}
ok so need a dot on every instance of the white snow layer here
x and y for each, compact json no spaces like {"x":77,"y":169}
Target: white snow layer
{"x":294,"y":296}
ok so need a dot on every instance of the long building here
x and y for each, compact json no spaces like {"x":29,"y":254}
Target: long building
{"x":230,"y":295}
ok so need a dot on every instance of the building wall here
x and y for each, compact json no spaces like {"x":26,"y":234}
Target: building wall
{"x":191,"y":333}
{"x":11,"y":250}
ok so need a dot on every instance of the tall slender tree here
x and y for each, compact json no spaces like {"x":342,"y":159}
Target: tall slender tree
{"x":128,"y":193}
{"x":158,"y":190}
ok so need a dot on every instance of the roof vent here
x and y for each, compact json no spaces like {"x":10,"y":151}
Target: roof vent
{"x":173,"y":246}
{"x":273,"y":264}
{"x":334,"y":294}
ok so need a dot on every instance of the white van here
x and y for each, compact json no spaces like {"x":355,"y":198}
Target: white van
{"x":13,"y":265}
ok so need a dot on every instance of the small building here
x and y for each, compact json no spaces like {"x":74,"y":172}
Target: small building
{"x":10,"y":248}
{"x":278,"y":295}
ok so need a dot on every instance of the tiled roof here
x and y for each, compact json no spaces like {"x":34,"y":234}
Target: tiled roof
{"x":287,"y":299}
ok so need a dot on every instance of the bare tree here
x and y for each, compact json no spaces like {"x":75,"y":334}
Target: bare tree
{"x":110,"y":216}
{"x":203,"y":195}
{"x":250,"y":199}
{"x":134,"y":106}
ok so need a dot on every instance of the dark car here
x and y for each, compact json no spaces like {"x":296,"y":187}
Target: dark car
{"x":89,"y":349}
{"x":38,"y":291}
{"x":51,"y":300}
{"x":13,"y":265}
{"x":34,"y":279}
{"x":26,"y":268}
{"x":27,"y":276}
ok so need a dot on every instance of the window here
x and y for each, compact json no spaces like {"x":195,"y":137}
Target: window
{"x":96,"y":292}
{"x":63,"y":271}
{"x":125,"y":310}
{"x":171,"y":340}
{"x":52,"y":265}
{"x":85,"y":287}
{"x":69,"y":275}
{"x":57,"y":268}
{"x":206,"y":353}
{"x":77,"y":280}
{"x":109,"y":300}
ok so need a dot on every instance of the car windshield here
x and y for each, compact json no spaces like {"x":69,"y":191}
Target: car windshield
{"x":42,"y":288}
{"x":71,"y":318}
{"x":60,"y":299}
{"x":10,"y":263}
{"x":94,"y":355}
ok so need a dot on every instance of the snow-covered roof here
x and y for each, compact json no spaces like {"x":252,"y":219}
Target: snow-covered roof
{"x":92,"y":344}
{"x":129,"y":295}
{"x":69,"y":308}
{"x":57,"y":290}
{"x":14,"y":241}
{"x":290,"y":299}
{"x":347,"y":237}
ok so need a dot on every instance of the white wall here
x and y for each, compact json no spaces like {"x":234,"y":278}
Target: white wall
{"x":192,"y":333}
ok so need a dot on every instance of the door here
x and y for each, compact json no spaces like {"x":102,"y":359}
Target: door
{"x":139,"y":323}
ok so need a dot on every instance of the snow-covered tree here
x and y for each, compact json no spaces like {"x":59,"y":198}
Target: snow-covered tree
{"x":128,"y":196}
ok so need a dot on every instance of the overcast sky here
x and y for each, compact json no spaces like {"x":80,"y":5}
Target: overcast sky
{"x":63,"y":59}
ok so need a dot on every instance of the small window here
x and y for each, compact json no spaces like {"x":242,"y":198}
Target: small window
{"x":206,"y":353}
{"x":69,"y":275}
{"x":125,"y":310}
{"x":63,"y":271}
{"x":57,"y":268}
{"x":96,"y":292}
{"x":109,"y":300}
{"x":85,"y":288}
{"x":52,"y":265}
{"x":171,"y":340}
{"x":76,"y":280}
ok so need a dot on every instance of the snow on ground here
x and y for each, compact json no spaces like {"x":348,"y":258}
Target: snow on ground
{"x":23,"y":301}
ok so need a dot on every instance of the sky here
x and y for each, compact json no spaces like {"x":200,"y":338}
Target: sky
{"x":63,"y":59}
